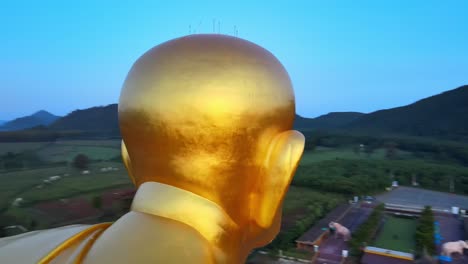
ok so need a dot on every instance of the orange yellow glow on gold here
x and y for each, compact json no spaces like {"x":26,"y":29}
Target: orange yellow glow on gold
{"x":212,"y":115}
{"x":206,"y":125}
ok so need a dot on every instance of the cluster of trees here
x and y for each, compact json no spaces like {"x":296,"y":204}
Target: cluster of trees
{"x":309,"y":214}
{"x":360,"y":177}
{"x":42,"y":134}
{"x":343,"y":176}
{"x":31,"y":135}
{"x":427,"y":148}
{"x":81,"y":161}
{"x":425,"y":233}
{"x":29,"y":159}
{"x":432,"y":176}
{"x":26,"y":159}
{"x":366,"y":232}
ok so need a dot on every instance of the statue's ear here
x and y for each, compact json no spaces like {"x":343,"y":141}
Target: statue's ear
{"x":127,"y":162}
{"x":281,"y":162}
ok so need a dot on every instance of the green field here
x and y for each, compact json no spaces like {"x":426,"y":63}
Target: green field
{"x":326,"y":177}
{"x":114,"y":143}
{"x":29,"y":185}
{"x":19,"y":147}
{"x":323,"y":154}
{"x":25,"y":183}
{"x":65,"y":150}
{"x":24,"y":168}
{"x":397,"y":234}
{"x":60,"y":152}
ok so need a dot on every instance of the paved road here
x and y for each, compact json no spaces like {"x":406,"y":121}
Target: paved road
{"x":419,"y":197}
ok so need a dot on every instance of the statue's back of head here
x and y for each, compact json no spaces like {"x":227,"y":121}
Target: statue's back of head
{"x":205,"y":113}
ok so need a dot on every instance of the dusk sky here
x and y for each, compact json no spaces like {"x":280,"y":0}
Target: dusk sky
{"x":341,"y":55}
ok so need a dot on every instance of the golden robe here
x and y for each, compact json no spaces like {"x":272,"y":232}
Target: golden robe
{"x":152,"y":232}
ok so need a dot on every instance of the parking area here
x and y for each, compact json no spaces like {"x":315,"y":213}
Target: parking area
{"x":419,"y":198}
{"x":331,"y":247}
{"x":451,"y":229}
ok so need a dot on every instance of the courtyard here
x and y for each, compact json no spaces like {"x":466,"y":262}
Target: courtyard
{"x":397,"y":234}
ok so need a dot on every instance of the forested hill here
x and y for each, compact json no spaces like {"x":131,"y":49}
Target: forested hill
{"x":328,"y":121}
{"x":102,"y":118}
{"x":442,"y":115}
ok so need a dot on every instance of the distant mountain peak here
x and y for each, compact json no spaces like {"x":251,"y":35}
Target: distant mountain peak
{"x":41,"y":112}
{"x":39,"y":118}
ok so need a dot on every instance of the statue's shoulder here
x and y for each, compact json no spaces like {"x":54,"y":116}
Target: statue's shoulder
{"x":34,"y":246}
{"x":143,"y":238}
{"x":134,"y":238}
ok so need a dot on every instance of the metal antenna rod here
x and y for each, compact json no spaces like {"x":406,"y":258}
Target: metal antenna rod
{"x":199,"y":25}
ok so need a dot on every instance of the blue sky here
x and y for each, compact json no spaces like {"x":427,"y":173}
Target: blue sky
{"x":341,"y":55}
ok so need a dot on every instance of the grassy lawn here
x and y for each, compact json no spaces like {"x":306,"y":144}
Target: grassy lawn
{"x":397,"y":234}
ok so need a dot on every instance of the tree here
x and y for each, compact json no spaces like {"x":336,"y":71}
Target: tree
{"x":369,"y":150}
{"x":81,"y":161}
{"x":97,"y":202}
{"x":391,"y":150}
{"x":425,"y":232}
{"x":357,"y":150}
{"x":33,"y":224}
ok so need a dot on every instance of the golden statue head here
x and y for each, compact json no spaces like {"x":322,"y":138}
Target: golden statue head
{"x":212,"y":114}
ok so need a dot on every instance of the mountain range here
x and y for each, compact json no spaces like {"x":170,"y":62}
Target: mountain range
{"x":331,"y":120}
{"x":439,"y":115}
{"x":444,"y":115}
{"x":40,"y":118}
{"x":101,"y":118}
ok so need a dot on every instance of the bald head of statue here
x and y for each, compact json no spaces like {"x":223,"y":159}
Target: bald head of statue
{"x":212,"y":114}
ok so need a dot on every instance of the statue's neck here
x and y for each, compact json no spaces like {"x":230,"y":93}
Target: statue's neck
{"x":205,"y":216}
